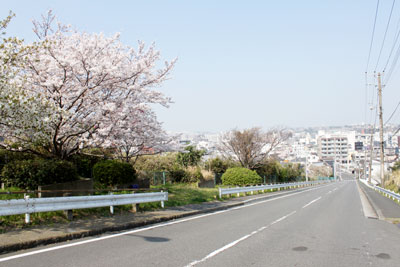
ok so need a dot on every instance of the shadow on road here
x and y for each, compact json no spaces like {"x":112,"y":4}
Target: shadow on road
{"x":151,"y":238}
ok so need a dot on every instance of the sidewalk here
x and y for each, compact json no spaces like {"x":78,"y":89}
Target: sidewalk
{"x":49,"y":234}
{"x":386,"y":208}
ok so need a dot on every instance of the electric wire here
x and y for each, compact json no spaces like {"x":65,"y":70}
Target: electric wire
{"x":397,"y":31}
{"x":394,"y":111}
{"x":384,"y":36}
{"x":372,"y":37}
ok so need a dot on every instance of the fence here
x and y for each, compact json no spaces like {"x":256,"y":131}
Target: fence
{"x":385,"y":192}
{"x":238,"y":190}
{"x":31,"y":205}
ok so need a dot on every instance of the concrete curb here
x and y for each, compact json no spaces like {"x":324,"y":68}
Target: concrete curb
{"x":368,"y":209}
{"x":372,"y":203}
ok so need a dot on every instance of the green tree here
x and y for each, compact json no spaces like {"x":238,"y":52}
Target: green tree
{"x":190,"y":157}
{"x":217,"y":165}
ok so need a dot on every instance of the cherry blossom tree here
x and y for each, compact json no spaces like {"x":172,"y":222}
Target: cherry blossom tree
{"x":138,"y":133}
{"x":80,"y":89}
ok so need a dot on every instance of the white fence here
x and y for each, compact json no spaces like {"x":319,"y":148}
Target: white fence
{"x":385,"y":192}
{"x":31,"y":205}
{"x":238,"y":190}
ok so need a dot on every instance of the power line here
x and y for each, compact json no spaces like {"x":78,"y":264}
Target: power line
{"x":372,"y":37}
{"x":394,"y":43}
{"x":398,"y":104}
{"x":384,"y":36}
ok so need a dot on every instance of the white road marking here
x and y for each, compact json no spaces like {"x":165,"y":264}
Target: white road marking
{"x":309,"y":203}
{"x":216,"y":252}
{"x":148,"y":227}
{"x":329,"y":192}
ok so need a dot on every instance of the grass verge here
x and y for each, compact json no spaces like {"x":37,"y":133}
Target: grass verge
{"x":178,"y":195}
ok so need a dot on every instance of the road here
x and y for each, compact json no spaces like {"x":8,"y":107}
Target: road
{"x":321,"y":226}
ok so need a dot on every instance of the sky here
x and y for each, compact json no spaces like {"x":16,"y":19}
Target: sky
{"x":244,"y":64}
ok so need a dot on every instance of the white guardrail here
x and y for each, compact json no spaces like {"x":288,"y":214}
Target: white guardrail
{"x":238,"y":190}
{"x":385,"y":192}
{"x":31,"y":205}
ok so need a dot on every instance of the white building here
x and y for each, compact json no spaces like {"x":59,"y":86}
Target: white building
{"x":336,"y":146}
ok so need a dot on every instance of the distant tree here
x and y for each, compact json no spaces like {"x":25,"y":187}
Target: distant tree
{"x":251,"y":146}
{"x":190,"y":157}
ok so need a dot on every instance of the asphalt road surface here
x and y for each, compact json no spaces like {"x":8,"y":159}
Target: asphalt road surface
{"x":321,"y":226}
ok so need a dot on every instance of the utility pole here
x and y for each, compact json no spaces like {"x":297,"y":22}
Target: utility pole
{"x":370,"y":156}
{"x":381,"y":132}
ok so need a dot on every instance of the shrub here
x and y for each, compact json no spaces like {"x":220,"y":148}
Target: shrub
{"x":112,"y":173}
{"x":84,"y":164}
{"x":154,"y":163}
{"x":177,"y":174}
{"x":217,"y":165}
{"x":193,"y":175}
{"x":9,"y":156}
{"x":30,"y":174}
{"x":240,"y":176}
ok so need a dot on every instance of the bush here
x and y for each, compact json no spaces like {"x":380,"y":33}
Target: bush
{"x":84,"y":164}
{"x":112,"y":173}
{"x":152,"y":163}
{"x":177,"y":174}
{"x":240,"y":176}
{"x":30,"y":174}
{"x":9,"y":156}
{"x":194,"y":175}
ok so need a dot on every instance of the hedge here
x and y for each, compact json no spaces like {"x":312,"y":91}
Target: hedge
{"x":29,"y":174}
{"x":112,"y":173}
{"x":240,"y":176}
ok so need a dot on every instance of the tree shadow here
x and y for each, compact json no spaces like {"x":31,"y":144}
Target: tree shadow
{"x":152,"y":238}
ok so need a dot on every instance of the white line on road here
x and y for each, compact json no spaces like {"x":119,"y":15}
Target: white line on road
{"x":309,"y":203}
{"x":148,"y":227}
{"x":329,"y":192}
{"x":216,"y":252}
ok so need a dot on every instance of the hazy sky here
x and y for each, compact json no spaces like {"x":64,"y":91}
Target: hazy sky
{"x":245,"y":63}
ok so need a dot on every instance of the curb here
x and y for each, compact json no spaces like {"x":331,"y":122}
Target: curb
{"x":368,"y":209}
{"x":372,"y":203}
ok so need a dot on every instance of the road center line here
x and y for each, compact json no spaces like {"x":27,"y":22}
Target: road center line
{"x":309,"y":203}
{"x":149,"y":227}
{"x":216,"y":252}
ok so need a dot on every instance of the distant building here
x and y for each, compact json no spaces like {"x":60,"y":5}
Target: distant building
{"x":334,"y":146}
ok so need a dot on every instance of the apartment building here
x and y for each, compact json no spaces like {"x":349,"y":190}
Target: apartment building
{"x":334,"y":146}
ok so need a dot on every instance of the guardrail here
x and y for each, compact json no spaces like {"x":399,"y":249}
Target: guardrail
{"x":251,"y":189}
{"x":31,"y":205}
{"x":387,"y":193}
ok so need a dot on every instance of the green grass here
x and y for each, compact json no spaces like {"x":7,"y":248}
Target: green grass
{"x":178,"y":195}
{"x":183,"y":194}
{"x":393,"y":187}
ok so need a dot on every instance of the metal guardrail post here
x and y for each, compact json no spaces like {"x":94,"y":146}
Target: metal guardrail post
{"x":111,"y":207}
{"x":27,"y":215}
{"x":162,"y":202}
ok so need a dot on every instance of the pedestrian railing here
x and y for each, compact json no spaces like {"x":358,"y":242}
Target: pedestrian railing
{"x":32,"y":205}
{"x":387,"y":193}
{"x":257,"y":188}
